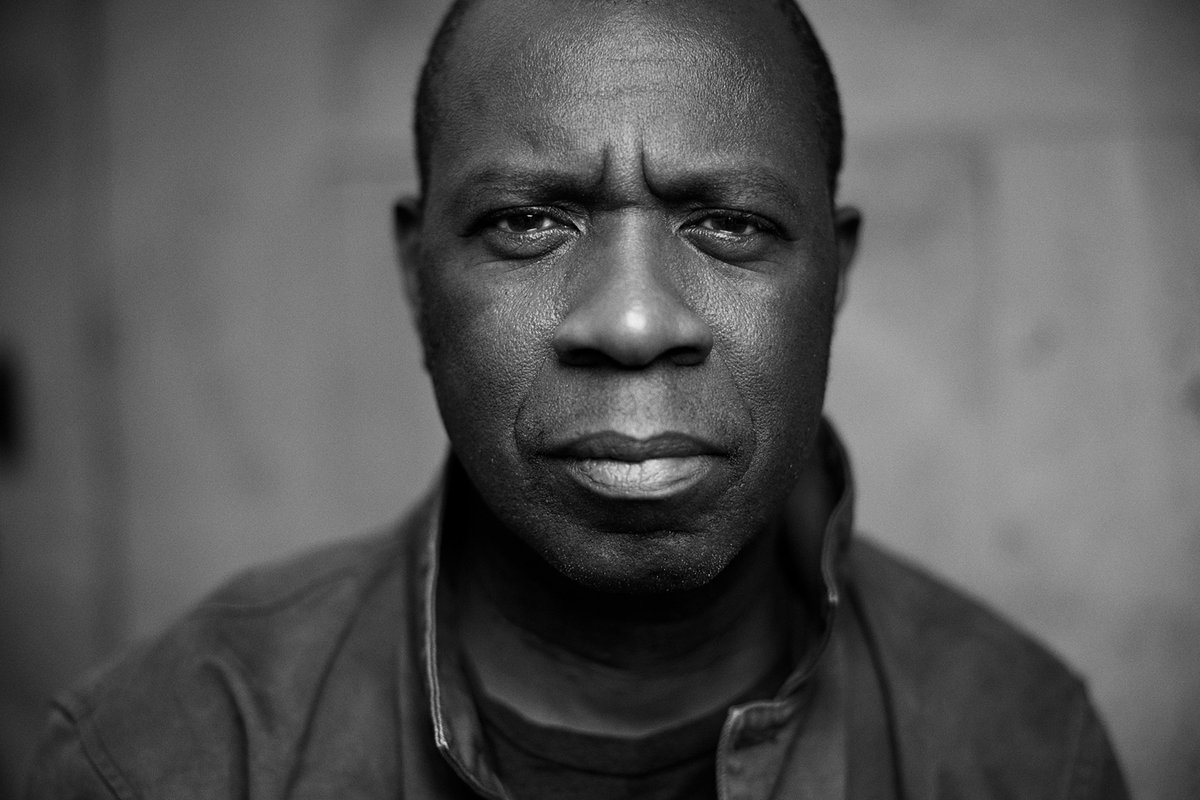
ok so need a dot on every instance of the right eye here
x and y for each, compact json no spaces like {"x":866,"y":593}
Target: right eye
{"x":525,"y":222}
{"x":522,"y":233}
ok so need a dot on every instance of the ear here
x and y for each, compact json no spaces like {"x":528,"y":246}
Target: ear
{"x":847,"y":222}
{"x":406,"y":222}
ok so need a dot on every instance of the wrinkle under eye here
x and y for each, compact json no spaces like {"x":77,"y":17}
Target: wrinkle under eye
{"x":735,"y":237}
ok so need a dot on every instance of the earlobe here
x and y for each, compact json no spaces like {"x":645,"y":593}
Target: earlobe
{"x":406,"y":226}
{"x":847,"y":223}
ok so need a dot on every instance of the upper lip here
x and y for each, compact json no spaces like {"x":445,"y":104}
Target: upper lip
{"x":622,"y":447}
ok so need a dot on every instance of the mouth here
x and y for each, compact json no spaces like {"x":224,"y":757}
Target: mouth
{"x":621,"y":467}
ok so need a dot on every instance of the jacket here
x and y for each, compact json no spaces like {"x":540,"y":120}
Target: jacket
{"x":334,"y":674}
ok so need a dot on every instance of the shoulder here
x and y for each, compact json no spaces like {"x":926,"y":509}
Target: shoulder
{"x":239,"y":676}
{"x":923,"y":618}
{"x":980,"y":707}
{"x":262,"y":621}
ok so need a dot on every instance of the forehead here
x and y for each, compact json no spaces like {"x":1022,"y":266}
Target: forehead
{"x":586,"y":80}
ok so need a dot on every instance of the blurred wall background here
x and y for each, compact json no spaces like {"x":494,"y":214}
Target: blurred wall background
{"x":205,"y":359}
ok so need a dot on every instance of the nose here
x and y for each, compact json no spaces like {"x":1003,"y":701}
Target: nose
{"x":627,"y":310}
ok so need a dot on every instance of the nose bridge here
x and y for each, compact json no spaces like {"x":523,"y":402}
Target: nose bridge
{"x":631,"y":270}
{"x":628,"y":305}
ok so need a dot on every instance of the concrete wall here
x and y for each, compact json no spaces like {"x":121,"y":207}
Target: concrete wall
{"x":213,"y":365}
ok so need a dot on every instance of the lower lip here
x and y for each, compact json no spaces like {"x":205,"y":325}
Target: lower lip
{"x":652,"y":479}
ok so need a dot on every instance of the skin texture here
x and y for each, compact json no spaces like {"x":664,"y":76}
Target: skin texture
{"x":678,"y":274}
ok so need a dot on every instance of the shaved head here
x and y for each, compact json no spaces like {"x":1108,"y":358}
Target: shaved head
{"x":820,"y":87}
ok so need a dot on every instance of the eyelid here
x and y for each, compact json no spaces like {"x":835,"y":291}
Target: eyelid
{"x":764,"y":224}
{"x":491,"y":219}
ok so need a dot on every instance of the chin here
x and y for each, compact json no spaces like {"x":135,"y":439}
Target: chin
{"x":640,"y":565}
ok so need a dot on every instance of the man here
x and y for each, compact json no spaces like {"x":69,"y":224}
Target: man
{"x":637,"y":578}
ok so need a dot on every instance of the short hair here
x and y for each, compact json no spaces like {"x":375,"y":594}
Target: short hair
{"x":828,"y":105}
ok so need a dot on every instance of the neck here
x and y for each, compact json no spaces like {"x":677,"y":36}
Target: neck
{"x":568,"y":655}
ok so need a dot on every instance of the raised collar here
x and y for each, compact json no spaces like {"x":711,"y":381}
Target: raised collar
{"x":822,"y":501}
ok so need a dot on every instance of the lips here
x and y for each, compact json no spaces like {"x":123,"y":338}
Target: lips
{"x":622,"y":467}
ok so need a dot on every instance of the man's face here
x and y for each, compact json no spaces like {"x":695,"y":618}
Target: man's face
{"x":627,"y":267}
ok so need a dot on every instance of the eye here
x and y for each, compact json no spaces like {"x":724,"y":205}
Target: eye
{"x":730,"y":225}
{"x":525,"y":222}
{"x":527,"y":232}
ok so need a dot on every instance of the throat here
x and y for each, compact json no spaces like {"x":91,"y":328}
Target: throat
{"x":570,"y":656}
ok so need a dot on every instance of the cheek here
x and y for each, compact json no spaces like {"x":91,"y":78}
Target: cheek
{"x":774,"y":338}
{"x":485,"y":341}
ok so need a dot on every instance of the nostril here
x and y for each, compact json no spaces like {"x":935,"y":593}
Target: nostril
{"x":686,"y":356}
{"x":683,"y":356}
{"x":584,"y":357}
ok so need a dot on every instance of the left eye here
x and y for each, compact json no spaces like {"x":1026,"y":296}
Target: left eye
{"x":730,"y":225}
{"x":525,"y":222}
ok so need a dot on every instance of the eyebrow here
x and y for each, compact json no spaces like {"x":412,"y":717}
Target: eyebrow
{"x":525,"y":181}
{"x":717,"y":185}
{"x":747,"y":182}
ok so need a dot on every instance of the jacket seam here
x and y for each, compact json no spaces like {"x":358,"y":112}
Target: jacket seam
{"x":97,"y":754}
{"x":858,"y":608}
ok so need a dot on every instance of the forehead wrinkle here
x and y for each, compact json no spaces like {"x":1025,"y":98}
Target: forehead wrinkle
{"x":624,"y":93}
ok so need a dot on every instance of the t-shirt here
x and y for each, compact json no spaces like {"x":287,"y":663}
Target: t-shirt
{"x":541,"y":762}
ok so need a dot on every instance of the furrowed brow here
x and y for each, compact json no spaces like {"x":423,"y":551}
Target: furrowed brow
{"x":752,"y":184}
{"x":531,"y":183}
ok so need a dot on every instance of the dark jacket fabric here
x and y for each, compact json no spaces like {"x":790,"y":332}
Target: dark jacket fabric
{"x":336,"y":675}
